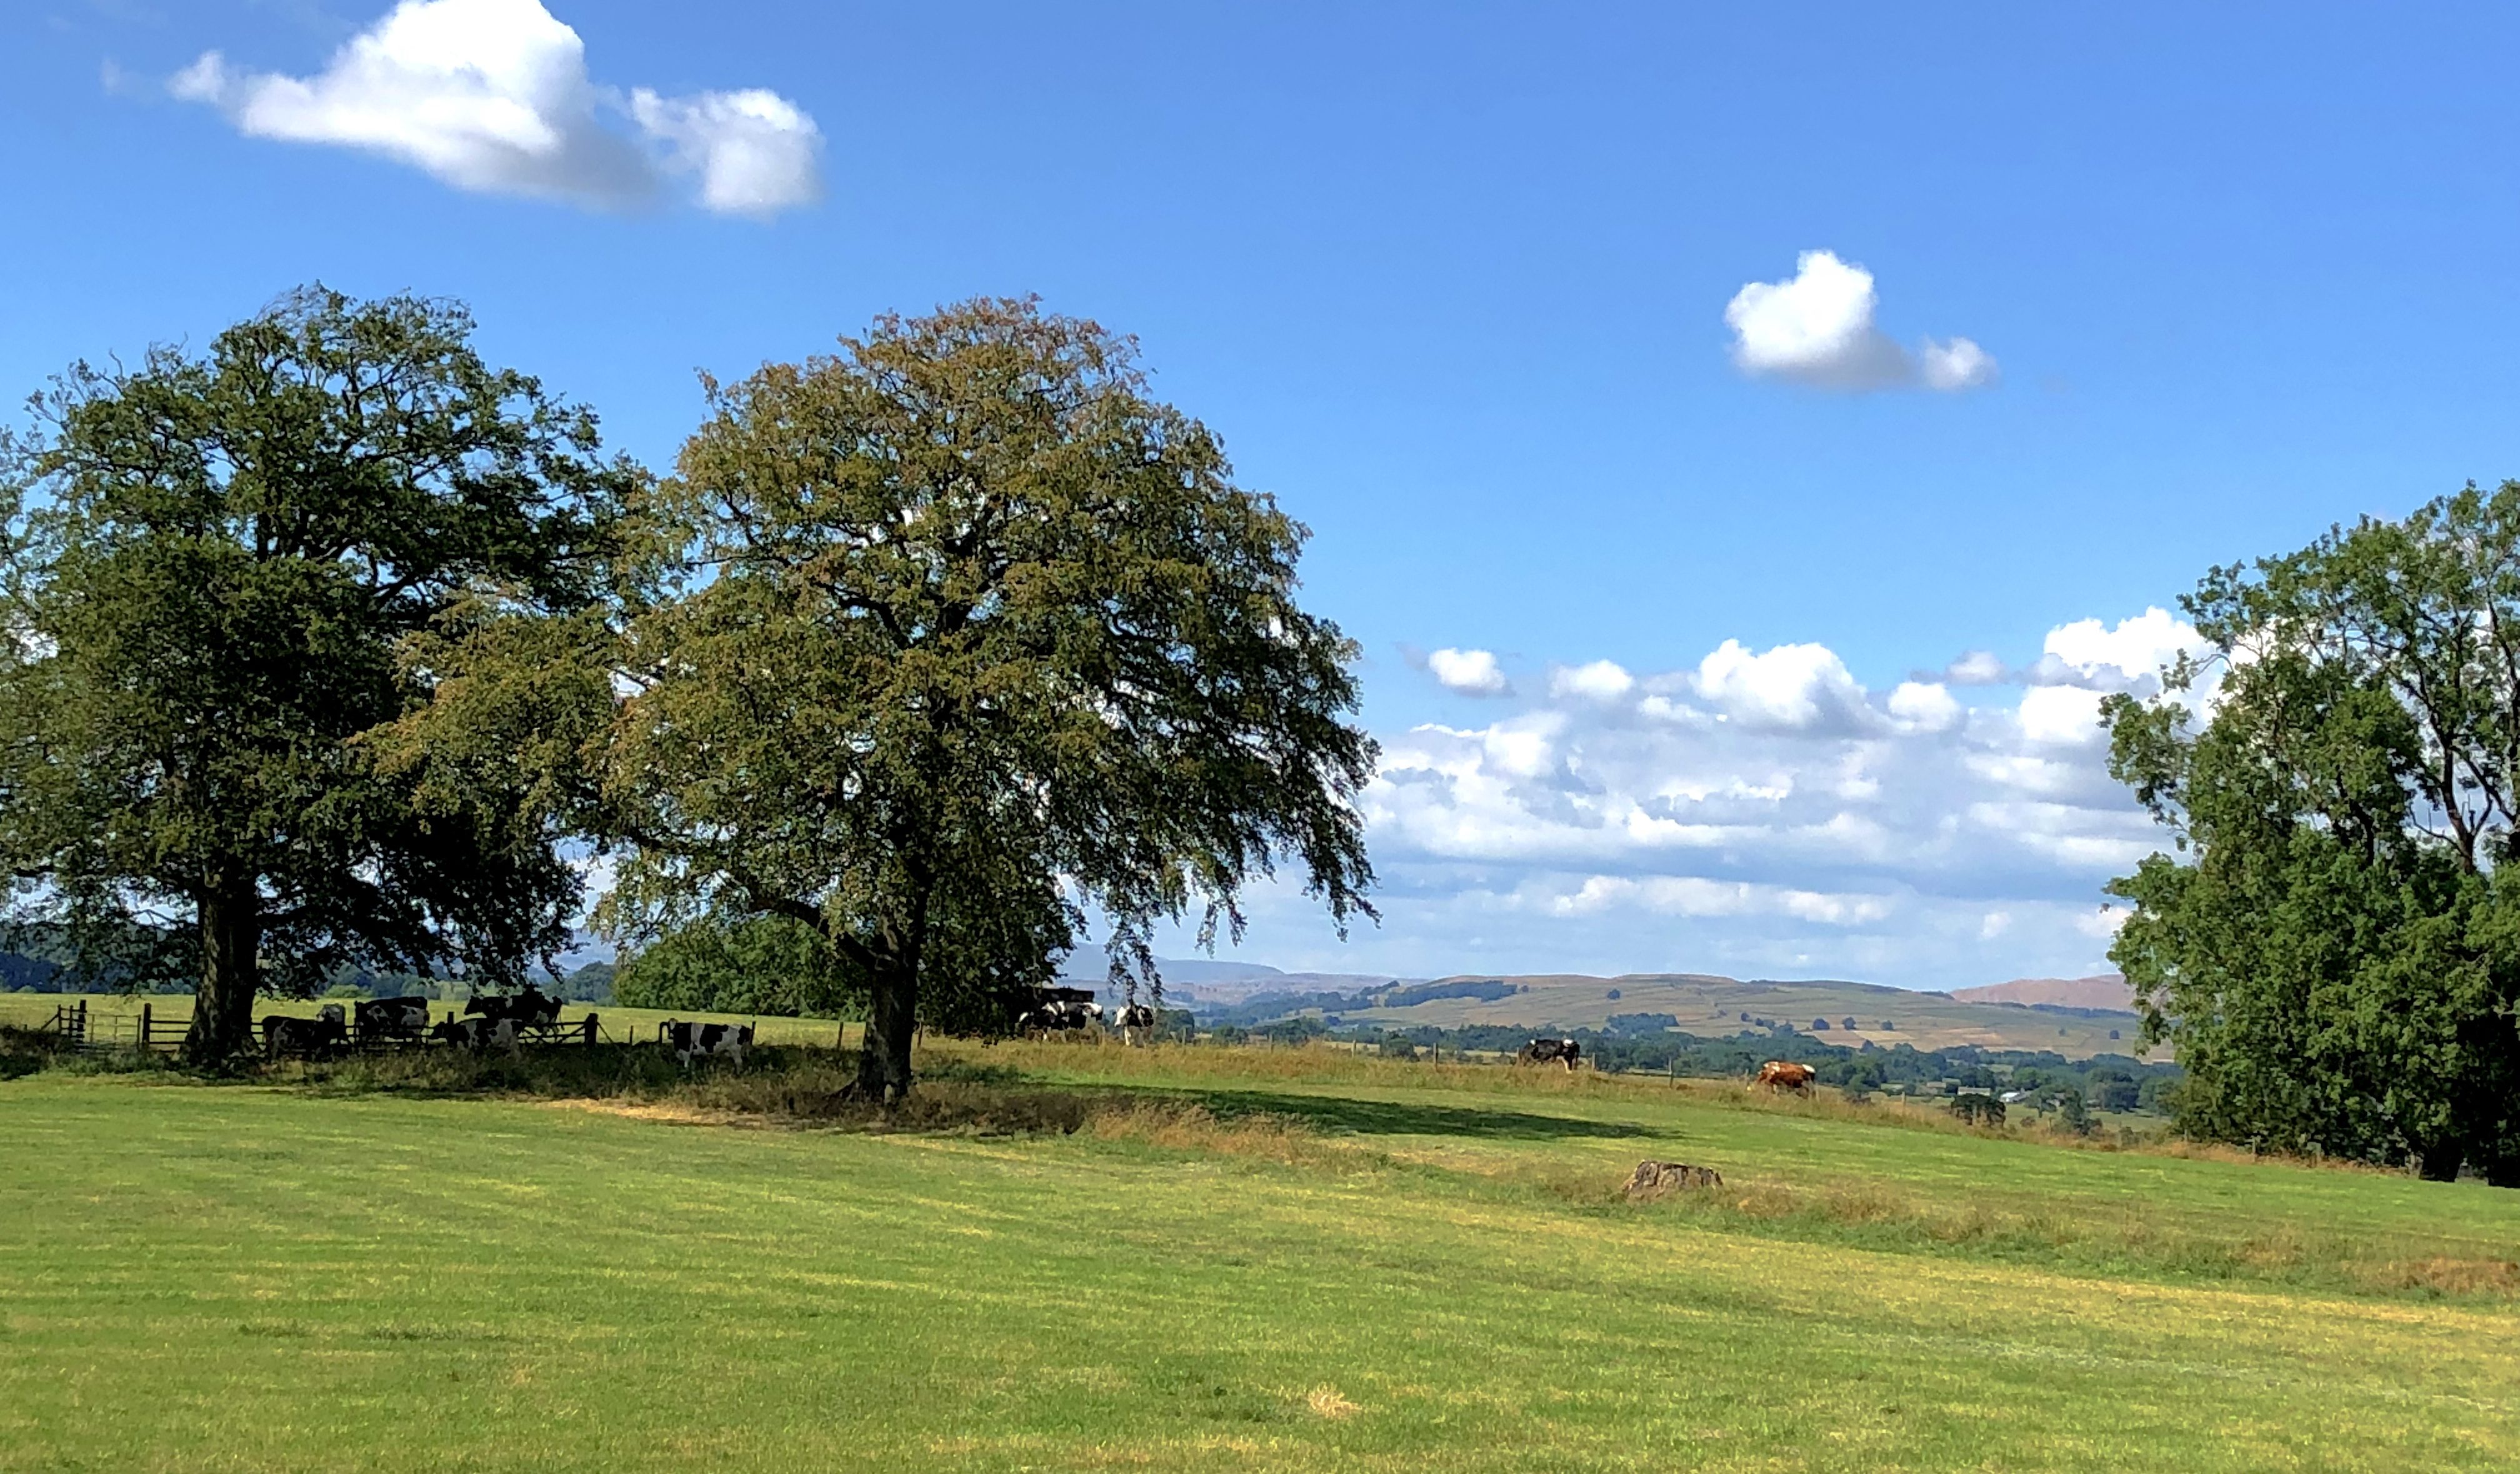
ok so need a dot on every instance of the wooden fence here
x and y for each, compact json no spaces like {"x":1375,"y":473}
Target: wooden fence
{"x":76,"y":1028}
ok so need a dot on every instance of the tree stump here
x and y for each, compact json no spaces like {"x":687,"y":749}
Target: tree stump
{"x":1654,"y":1179}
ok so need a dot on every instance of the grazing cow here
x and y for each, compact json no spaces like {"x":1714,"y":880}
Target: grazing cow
{"x":690,"y":1042}
{"x":1060,"y":1010}
{"x":1566,"y":1052}
{"x":1785,"y":1074}
{"x":319,"y":1035}
{"x":392,"y":1018}
{"x":478,"y":1034}
{"x":532,"y":1008}
{"x":1132,"y":1020}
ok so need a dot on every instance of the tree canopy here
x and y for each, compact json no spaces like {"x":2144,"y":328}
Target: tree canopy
{"x":975,"y":636}
{"x":2334,"y":947}
{"x":225,"y":574}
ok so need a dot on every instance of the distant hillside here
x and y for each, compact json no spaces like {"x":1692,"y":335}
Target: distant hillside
{"x":1208,"y":978}
{"x":2106,"y":991}
{"x":1713,"y":1006}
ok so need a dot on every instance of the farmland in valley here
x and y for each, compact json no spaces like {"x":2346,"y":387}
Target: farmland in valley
{"x":1714,"y":1006}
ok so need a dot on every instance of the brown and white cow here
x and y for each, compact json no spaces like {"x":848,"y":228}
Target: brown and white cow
{"x":1785,"y":1074}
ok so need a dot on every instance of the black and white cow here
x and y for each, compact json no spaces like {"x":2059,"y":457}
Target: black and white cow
{"x":532,"y":1008}
{"x":1132,"y":1020}
{"x":392,"y":1018}
{"x":478,"y":1034}
{"x":1567,"y":1052}
{"x":690,"y":1042}
{"x":323,"y":1033}
{"x":1059,"y":1016}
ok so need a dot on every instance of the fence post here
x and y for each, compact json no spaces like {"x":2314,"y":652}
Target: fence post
{"x":590,"y":1030}
{"x":144,"y":1027}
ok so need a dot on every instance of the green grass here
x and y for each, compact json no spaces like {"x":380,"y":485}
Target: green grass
{"x":1332,"y":1263}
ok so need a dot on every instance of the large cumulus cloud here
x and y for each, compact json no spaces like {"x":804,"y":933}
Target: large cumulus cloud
{"x":1761,"y":811}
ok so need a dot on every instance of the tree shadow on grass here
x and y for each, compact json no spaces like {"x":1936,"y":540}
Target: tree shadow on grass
{"x":1383,"y":1117}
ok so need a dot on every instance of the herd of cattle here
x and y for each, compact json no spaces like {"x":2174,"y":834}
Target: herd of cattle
{"x":1073,"y":1010}
{"x":505,"y":1020}
{"x":491,"y":1021}
{"x":502,"y":1021}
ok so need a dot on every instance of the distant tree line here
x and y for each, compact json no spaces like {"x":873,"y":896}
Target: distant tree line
{"x":336,"y":651}
{"x":2109,"y":1081}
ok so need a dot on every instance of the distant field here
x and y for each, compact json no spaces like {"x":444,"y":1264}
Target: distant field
{"x":1355,"y":1263}
{"x":1714,"y":1006}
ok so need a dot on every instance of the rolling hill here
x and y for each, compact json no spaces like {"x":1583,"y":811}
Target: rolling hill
{"x":2105,"y":990}
{"x":1709,"y":1005}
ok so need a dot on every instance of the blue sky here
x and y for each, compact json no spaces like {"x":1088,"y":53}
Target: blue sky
{"x":1453,"y":282}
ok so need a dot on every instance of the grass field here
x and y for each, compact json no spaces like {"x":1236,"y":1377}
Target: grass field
{"x":1244,"y":1259}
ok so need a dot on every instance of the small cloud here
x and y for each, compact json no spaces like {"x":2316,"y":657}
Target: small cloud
{"x":1958,"y":364}
{"x":494,"y":96}
{"x":1816,"y":328}
{"x":2102,"y":922}
{"x":2128,"y":651}
{"x":1469,"y":673}
{"x":1977,"y":667}
{"x":755,"y":152}
{"x":1601,"y":681}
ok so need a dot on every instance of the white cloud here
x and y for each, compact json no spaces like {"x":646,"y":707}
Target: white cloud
{"x":1958,"y":364}
{"x":1816,"y":327}
{"x":1469,"y":673}
{"x":2132,"y":649}
{"x":1790,"y":688}
{"x":1758,"y":812}
{"x":755,"y":150}
{"x":2060,"y":715}
{"x":1925,"y":706}
{"x":1601,"y":681}
{"x":494,"y":96}
{"x":1977,"y":667}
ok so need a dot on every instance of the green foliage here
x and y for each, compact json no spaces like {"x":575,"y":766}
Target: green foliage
{"x":2335,"y":947}
{"x":974,"y":634}
{"x":752,"y":965}
{"x":217,"y":572}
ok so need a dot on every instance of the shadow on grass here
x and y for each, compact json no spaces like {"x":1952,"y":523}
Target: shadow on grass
{"x":1383,"y":1117}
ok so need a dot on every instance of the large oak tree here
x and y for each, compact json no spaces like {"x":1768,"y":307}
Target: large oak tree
{"x":977,"y":636}
{"x":2333,"y":944}
{"x":222,"y":573}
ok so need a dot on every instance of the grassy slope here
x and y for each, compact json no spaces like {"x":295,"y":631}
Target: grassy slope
{"x":262,"y":1279}
{"x":1706,"y":1005}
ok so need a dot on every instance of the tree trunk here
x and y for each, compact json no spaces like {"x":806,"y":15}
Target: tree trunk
{"x":883,"y":1060}
{"x":223,"y":1004}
